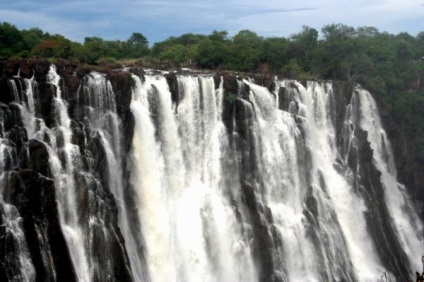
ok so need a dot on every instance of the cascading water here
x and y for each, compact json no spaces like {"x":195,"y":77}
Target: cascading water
{"x":291,"y":185}
{"x":341,"y":195}
{"x":83,"y":206}
{"x":306,"y":184}
{"x":63,"y":172}
{"x":188,"y":222}
{"x":97,"y":102}
{"x":11,"y":233}
{"x":408,"y":225}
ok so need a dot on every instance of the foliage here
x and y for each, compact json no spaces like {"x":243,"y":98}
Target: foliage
{"x":11,"y":40}
{"x":230,"y":97}
{"x":391,"y":65}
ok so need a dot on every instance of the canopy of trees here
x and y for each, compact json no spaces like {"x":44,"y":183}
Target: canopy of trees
{"x":387,"y":64}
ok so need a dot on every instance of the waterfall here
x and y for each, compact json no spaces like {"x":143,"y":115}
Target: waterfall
{"x":408,"y":225}
{"x":175,"y":177}
{"x":286,"y":190}
{"x":77,"y":188}
{"x":188,"y":222}
{"x":337,"y":195}
{"x":63,"y":172}
{"x":12,"y":234}
{"x":278,"y":138}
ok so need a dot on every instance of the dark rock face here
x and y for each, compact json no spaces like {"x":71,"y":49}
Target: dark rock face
{"x":264,"y":235}
{"x":39,"y":157}
{"x":35,"y":200}
{"x":366,"y":180}
{"x":6,"y":94}
{"x":173,"y":87}
{"x":368,"y":183}
{"x":29,"y":184}
{"x":408,"y":166}
{"x":33,"y":195}
{"x":44,"y":94}
{"x":30,"y":187}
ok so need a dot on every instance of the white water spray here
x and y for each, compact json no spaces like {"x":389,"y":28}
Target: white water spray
{"x":188,"y":225}
{"x":409,"y":227}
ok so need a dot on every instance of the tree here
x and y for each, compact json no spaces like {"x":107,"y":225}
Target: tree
{"x":83,"y":54}
{"x":136,"y":46}
{"x":210,"y":54}
{"x":274,"y":51}
{"x":11,"y":41}
{"x":367,"y":31}
{"x":177,"y":53}
{"x":244,"y":51}
{"x":302,"y":47}
{"x":137,"y":39}
{"x":335,"y":53}
{"x":45,"y":49}
{"x":338,"y":32}
{"x":33,"y":37}
{"x":218,"y":36}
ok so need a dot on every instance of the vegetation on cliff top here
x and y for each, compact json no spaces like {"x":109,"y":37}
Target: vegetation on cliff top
{"x":391,"y":66}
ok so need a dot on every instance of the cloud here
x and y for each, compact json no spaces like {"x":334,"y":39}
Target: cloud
{"x":25,"y":20}
{"x":157,"y":20}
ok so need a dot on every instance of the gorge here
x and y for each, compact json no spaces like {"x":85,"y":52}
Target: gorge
{"x":143,"y":175}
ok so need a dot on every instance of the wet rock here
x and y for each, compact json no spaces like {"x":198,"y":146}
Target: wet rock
{"x":6,"y":118}
{"x":171,"y":78}
{"x":78,"y":134}
{"x":39,"y":157}
{"x":6,"y":93}
{"x":69,"y":85}
{"x":138,"y":72}
{"x":128,"y":124}
{"x":341,"y":98}
{"x":230,"y":86}
{"x":368,"y":183}
{"x":122,"y":84}
{"x":44,"y":94}
{"x":36,"y":201}
{"x":10,"y":269}
{"x":99,"y":160}
{"x":286,"y":101}
{"x":230,"y":81}
{"x":264,"y":240}
{"x":10,"y":67}
{"x":33,"y":195}
{"x":18,"y":136}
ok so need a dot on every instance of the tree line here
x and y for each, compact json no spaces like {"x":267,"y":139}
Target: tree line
{"x":391,"y":65}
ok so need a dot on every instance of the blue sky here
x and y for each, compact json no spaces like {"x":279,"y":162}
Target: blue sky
{"x":157,"y":20}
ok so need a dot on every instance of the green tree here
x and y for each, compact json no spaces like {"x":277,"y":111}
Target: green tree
{"x":210,"y":54}
{"x":137,"y":39}
{"x":188,"y":40}
{"x":33,"y":37}
{"x":218,"y":36}
{"x":274,"y":51}
{"x":302,"y":47}
{"x":136,"y":46}
{"x":177,"y":53}
{"x":11,"y":41}
{"x":83,"y":54}
{"x":244,"y":51}
{"x":335,"y":54}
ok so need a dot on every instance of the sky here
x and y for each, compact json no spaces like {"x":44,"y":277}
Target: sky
{"x":160,"y":19}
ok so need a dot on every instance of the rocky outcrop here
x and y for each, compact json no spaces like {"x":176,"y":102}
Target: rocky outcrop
{"x":264,"y":233}
{"x":367,"y":181}
{"x":409,"y":166}
{"x":35,"y":197}
{"x":31,"y":189}
{"x":29,"y":185}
